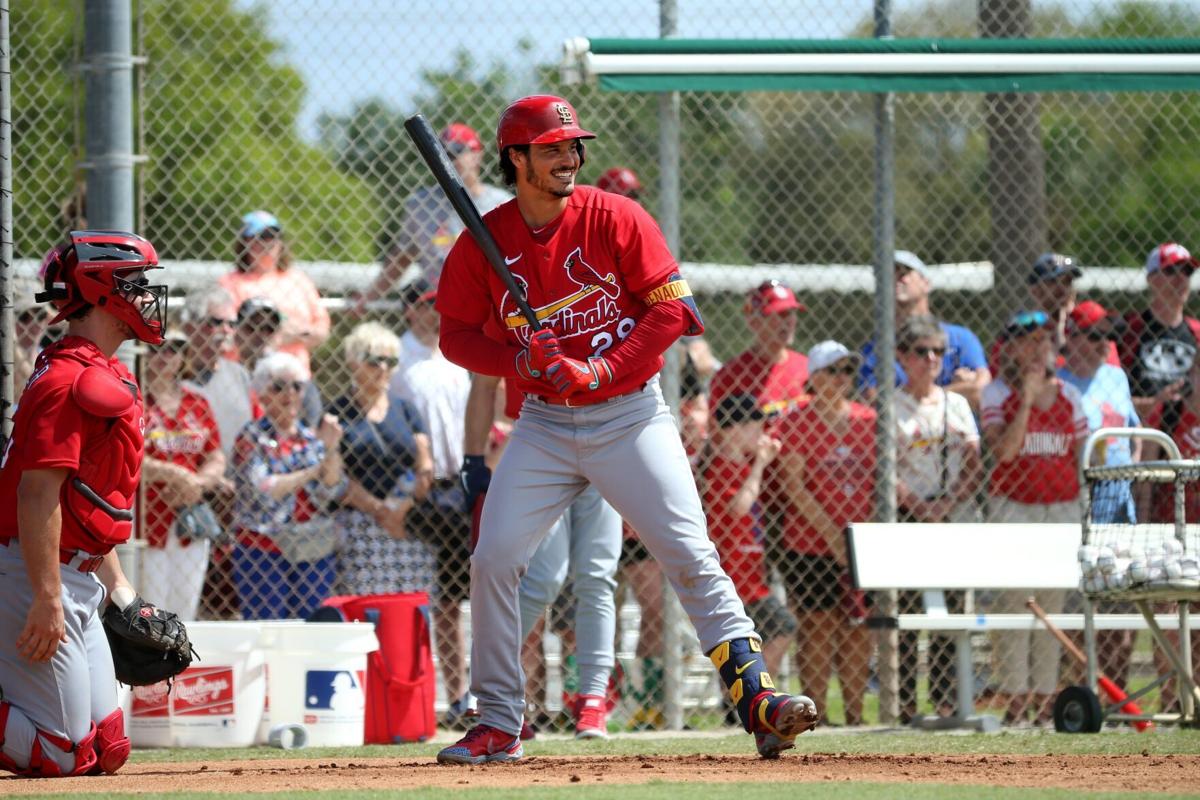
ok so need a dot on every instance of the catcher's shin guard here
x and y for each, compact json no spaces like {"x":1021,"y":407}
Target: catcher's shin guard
{"x":112,"y":745}
{"x":744,"y":673}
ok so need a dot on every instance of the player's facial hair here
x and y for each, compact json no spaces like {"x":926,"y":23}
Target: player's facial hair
{"x":533,"y":180}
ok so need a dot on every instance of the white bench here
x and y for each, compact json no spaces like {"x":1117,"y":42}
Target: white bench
{"x":931,"y":558}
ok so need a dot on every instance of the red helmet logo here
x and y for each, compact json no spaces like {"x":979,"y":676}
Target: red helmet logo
{"x":538,"y":119}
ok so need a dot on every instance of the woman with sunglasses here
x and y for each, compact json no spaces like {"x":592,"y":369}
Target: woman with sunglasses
{"x":827,"y":469}
{"x":1034,"y":425}
{"x":263,"y":268}
{"x":383,"y":440}
{"x":183,"y":462}
{"x":286,"y":475}
{"x":938,"y":472}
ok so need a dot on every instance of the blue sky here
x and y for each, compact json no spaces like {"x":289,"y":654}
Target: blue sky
{"x":349,"y":50}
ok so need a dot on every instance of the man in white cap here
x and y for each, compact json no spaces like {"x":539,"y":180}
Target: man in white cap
{"x":964,"y":366}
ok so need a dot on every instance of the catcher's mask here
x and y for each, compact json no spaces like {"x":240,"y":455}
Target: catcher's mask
{"x":107,"y":269}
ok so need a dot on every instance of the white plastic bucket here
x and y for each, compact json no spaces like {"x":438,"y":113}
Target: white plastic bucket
{"x":318,"y":671}
{"x":217,"y":702}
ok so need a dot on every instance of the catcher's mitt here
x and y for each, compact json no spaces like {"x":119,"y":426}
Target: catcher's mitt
{"x":148,"y":644}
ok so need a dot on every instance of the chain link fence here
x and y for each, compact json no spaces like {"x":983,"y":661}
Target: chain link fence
{"x":300,"y":390}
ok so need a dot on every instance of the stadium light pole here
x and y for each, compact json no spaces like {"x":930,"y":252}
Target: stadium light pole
{"x":108,"y":113}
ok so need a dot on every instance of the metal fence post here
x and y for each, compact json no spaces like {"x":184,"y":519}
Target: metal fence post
{"x":884,"y":235}
{"x":7,"y":317}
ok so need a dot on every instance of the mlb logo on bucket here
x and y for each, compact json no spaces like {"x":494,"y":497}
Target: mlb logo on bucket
{"x":333,"y":690}
{"x":204,"y":691}
{"x":150,"y":701}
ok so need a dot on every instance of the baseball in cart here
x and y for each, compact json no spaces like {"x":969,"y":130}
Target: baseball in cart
{"x":1140,"y":551}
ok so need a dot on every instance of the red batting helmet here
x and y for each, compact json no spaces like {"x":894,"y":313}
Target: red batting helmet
{"x":539,"y":119}
{"x":106,"y":269}
{"x":620,"y":180}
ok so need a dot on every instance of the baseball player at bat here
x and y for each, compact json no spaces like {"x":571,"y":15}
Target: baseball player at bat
{"x":67,"y":483}
{"x":593,"y":414}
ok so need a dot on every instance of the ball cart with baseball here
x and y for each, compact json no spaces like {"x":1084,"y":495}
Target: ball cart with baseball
{"x":1152,"y":562}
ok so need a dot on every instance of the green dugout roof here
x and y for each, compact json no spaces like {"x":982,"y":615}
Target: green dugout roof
{"x":886,"y":65}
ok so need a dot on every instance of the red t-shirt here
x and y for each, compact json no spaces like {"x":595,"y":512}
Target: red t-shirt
{"x":1043,"y":472}
{"x":738,"y":538}
{"x":779,"y":386}
{"x":585,"y":276}
{"x":184,"y":439}
{"x":52,"y":430}
{"x":839,"y":472}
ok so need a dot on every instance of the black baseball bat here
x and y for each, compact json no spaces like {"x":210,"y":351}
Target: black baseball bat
{"x":447,"y":177}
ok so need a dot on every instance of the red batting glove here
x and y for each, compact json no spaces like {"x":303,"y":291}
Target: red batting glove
{"x":543,"y":349}
{"x":571,"y":376}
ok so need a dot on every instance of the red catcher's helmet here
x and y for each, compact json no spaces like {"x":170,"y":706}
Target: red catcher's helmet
{"x":106,"y":269}
{"x":620,"y":180}
{"x":539,"y":119}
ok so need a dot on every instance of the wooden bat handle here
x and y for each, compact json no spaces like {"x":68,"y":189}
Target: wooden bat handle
{"x":1062,"y":637}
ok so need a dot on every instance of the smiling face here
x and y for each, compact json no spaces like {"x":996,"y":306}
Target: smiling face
{"x":548,"y":169}
{"x":922,"y":360}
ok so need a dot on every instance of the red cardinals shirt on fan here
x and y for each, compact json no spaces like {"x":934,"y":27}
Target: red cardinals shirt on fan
{"x":738,"y":538}
{"x":839,"y":472}
{"x":585,"y":275}
{"x":185,"y":439}
{"x":103,"y":454}
{"x":1043,"y":471}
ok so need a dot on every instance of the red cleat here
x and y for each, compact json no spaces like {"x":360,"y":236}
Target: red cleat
{"x":482,"y":744}
{"x":591,"y":720}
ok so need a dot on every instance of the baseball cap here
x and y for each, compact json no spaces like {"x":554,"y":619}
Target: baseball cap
{"x":736,"y":408}
{"x":1053,"y":265}
{"x":1168,"y":255}
{"x":823,"y":355}
{"x":255,"y":306}
{"x":458,"y":137}
{"x":256,"y":223}
{"x":1024,"y":322}
{"x":910,"y":260}
{"x":1090,"y":315}
{"x":772,"y":297}
{"x":418,"y":291}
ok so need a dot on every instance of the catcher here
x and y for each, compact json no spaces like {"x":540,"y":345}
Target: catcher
{"x":67,"y":480}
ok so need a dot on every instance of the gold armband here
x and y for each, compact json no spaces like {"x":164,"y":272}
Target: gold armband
{"x":672,"y":290}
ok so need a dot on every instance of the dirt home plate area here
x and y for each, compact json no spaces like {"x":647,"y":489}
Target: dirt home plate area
{"x":1144,"y":774}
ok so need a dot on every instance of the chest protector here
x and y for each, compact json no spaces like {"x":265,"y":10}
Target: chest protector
{"x":99,"y":497}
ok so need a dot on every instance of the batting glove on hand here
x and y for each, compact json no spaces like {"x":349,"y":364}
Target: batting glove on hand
{"x":544,"y":347}
{"x":571,"y":376}
{"x":475,"y":477}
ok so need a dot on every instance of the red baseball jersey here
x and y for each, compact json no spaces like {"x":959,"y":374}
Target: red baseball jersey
{"x":585,"y":275}
{"x":103,"y":454}
{"x":184,"y":439}
{"x":1044,"y":469}
{"x":779,"y":386}
{"x":738,"y":538}
{"x":839,"y":472}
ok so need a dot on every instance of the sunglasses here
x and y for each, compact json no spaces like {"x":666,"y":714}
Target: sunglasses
{"x":841,"y":369}
{"x":388,"y":362}
{"x":1026,"y":322}
{"x":220,"y":322}
{"x":1178,"y":269}
{"x":266,"y":235}
{"x":1092,"y":336}
{"x":924,"y":352}
{"x":282,"y":386}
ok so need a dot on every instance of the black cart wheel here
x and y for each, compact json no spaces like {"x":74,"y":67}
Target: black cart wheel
{"x":1077,"y":710}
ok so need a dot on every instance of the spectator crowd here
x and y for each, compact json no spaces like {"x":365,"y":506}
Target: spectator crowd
{"x":267,"y":490}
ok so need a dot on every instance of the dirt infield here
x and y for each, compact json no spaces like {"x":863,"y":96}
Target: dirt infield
{"x":1144,"y":773}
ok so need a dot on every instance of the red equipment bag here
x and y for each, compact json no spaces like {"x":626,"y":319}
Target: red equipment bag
{"x":400,"y":679}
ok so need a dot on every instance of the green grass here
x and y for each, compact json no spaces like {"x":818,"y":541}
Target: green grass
{"x":1162,"y":742}
{"x":657,"y":791}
